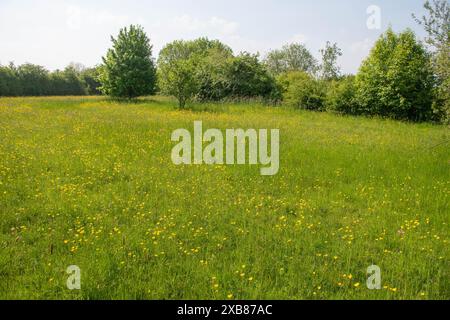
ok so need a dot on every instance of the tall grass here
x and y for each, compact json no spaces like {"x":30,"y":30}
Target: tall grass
{"x":89,"y":182}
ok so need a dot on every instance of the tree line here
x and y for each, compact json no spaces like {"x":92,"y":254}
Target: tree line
{"x":402,"y":77}
{"x":33,"y":80}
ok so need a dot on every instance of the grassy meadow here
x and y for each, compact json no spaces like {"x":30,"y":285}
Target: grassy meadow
{"x":89,"y":182}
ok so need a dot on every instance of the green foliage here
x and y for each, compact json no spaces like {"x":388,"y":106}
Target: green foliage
{"x":9,"y":81}
{"x":329,"y":69}
{"x":208,"y":71}
{"x":177,"y":67}
{"x":33,"y":80}
{"x":303,"y":91}
{"x":179,"y":80}
{"x":396,"y":80}
{"x":213,"y":74}
{"x":437,"y":26}
{"x":249,"y":78}
{"x":341,"y":96}
{"x":90,"y":77}
{"x":67,"y":82}
{"x":292,"y":57}
{"x":128,"y":69}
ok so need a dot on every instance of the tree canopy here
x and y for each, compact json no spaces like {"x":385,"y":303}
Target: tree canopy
{"x":292,"y":57}
{"x":396,"y":79}
{"x":128,"y":70}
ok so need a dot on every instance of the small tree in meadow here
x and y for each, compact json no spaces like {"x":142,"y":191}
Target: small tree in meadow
{"x":128,"y":69}
{"x":177,"y":67}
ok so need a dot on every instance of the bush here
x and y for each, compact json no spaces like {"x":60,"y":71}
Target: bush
{"x":249,"y":78}
{"x":208,"y":71}
{"x":396,"y":80}
{"x":213,"y":74}
{"x":341,"y":96}
{"x":301,"y":90}
{"x":90,"y":77}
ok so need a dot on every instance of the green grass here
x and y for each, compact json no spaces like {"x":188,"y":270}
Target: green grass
{"x":90,"y":182}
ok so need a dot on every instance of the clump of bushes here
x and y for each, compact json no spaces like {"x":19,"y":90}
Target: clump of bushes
{"x":395,"y":81}
{"x":341,"y":96}
{"x":207,"y":70}
{"x":301,"y":90}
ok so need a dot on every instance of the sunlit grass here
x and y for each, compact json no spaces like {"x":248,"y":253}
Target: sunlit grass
{"x":90,"y":182}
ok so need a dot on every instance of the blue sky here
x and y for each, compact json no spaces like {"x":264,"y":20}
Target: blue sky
{"x":54,"y":33}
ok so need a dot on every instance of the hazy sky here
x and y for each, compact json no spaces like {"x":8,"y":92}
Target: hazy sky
{"x":54,"y":33}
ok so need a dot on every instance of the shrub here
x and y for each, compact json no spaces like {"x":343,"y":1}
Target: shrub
{"x":396,"y":80}
{"x":249,"y":78}
{"x":341,"y":96}
{"x":208,"y":71}
{"x":213,"y":74}
{"x":301,"y":90}
{"x":90,"y":77}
